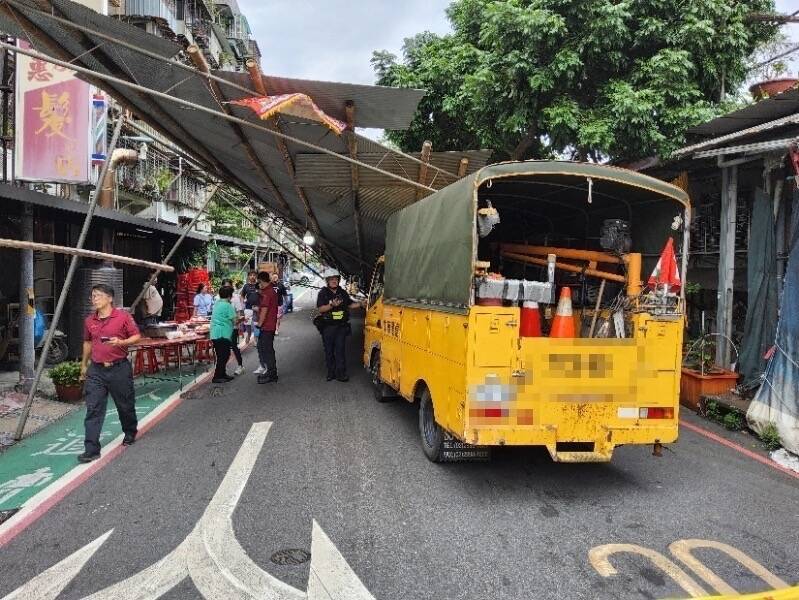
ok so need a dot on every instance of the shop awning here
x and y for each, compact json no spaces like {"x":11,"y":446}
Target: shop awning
{"x":250,"y":159}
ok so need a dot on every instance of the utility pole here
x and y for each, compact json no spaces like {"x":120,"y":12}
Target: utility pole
{"x":27,"y":351}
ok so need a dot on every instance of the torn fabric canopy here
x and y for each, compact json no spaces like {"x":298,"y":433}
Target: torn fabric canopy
{"x":777,"y":400}
{"x":296,"y":105}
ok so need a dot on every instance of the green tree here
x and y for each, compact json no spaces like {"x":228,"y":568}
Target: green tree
{"x":226,"y":221}
{"x":591,"y":78}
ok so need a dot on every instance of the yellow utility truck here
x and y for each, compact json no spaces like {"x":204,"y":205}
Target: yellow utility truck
{"x":461,"y":309}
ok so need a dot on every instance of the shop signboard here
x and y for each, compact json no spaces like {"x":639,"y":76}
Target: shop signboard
{"x":53,"y":123}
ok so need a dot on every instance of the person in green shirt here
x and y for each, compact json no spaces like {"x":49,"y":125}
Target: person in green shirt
{"x":223,"y":319}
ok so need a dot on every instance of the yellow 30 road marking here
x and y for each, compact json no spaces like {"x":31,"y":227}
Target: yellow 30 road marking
{"x":681,"y":550}
{"x":599,"y":556}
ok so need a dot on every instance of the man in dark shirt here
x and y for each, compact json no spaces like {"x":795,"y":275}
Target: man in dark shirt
{"x":106,"y":369}
{"x":334,"y":304}
{"x":267,"y":325}
{"x":251,"y":294}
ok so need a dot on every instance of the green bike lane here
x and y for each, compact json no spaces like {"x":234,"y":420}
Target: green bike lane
{"x":36,"y":462}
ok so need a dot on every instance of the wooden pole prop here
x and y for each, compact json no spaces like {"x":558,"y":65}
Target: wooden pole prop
{"x":565,"y":267}
{"x":164,"y":264}
{"x":596,"y":308}
{"x":62,"y":298}
{"x":21,"y":245}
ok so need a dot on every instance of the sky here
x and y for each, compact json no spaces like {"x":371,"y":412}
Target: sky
{"x":333,"y":40}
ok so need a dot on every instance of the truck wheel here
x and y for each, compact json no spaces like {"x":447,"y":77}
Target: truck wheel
{"x":381,"y":391}
{"x":431,"y":432}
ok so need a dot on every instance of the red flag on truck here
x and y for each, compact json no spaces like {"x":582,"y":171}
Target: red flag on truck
{"x":666,"y":271}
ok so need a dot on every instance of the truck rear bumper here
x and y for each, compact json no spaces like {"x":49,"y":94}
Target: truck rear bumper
{"x":592,"y":447}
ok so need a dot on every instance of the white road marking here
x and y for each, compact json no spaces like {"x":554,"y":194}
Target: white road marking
{"x":51,"y":583}
{"x":212,"y":556}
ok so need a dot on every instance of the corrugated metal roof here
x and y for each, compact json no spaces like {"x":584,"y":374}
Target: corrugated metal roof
{"x":375,"y":106}
{"x":216,"y":144}
{"x":756,"y":114}
{"x":321,"y":170}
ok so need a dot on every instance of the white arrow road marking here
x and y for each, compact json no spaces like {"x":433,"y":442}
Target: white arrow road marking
{"x":331,"y":577}
{"x":51,"y":583}
{"x":212,"y":556}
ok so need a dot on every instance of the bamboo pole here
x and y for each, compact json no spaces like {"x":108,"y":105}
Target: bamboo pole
{"x":270,"y":236}
{"x":22,"y":245}
{"x":164,"y":263}
{"x":62,"y":298}
{"x":215,"y":113}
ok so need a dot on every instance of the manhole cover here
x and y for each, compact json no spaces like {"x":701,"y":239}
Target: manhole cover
{"x":5,"y":515}
{"x":290,"y":556}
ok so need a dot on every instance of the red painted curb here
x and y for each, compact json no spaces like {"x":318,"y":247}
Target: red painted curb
{"x":38,"y":512}
{"x":738,"y":448}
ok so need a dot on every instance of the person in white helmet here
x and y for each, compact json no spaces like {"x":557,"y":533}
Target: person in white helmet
{"x":334,"y":304}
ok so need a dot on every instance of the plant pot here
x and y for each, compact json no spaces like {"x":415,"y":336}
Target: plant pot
{"x":69,"y":393}
{"x":772,"y":87}
{"x":694,"y":385}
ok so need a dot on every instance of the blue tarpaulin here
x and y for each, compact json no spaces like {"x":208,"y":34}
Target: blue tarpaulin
{"x":761,"y":269}
{"x":777,"y":400}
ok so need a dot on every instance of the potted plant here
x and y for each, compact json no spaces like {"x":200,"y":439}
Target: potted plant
{"x":701,"y":376}
{"x":773,"y":74}
{"x":66,"y":377}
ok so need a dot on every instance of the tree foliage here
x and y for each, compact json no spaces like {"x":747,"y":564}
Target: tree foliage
{"x":226,"y":221}
{"x":594,"y":78}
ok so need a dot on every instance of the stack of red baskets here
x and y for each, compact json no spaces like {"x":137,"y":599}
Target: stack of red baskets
{"x":187,"y":287}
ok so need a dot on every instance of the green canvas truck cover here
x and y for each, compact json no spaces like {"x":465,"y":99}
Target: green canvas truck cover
{"x":431,"y":245}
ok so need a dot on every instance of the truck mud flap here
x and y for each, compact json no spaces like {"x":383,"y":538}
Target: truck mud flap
{"x":456,"y":451}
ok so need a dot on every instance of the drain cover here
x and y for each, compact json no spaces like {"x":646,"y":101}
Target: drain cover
{"x":5,"y":515}
{"x":290,"y":556}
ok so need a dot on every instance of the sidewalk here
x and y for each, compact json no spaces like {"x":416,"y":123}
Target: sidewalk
{"x":36,"y":461}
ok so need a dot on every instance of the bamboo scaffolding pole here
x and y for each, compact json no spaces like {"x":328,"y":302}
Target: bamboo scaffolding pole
{"x":154,"y":275}
{"x":62,"y":298}
{"x":270,"y":236}
{"x":184,"y":67}
{"x":21,"y":245}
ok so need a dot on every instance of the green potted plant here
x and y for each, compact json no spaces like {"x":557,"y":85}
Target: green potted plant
{"x":700,"y":375}
{"x":66,"y":377}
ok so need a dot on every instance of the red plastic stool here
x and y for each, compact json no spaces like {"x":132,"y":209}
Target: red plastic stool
{"x":204,"y":351}
{"x":171,"y":356}
{"x":146,"y":361}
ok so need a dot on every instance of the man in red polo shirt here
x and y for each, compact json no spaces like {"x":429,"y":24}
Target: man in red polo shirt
{"x":267,"y":325}
{"x":106,"y":369}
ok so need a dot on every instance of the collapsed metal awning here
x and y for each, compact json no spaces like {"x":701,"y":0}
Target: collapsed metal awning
{"x":271,"y":170}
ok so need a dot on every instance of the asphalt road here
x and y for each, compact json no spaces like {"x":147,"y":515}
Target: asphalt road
{"x":519,"y":526}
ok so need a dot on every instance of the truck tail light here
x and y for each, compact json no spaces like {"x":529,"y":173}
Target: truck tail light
{"x":656,"y":412}
{"x":489,"y":413}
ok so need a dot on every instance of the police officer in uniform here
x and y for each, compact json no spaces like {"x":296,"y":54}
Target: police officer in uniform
{"x":334,"y":304}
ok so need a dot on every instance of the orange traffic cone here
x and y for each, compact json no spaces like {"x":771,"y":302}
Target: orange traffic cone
{"x":531,"y":320}
{"x":563,"y":323}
